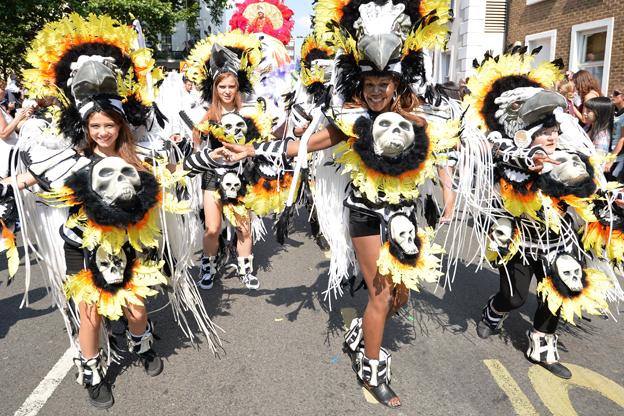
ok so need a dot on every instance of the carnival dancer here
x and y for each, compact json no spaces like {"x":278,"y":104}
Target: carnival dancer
{"x":90,"y":163}
{"x":387,"y":152}
{"x":545,"y":181}
{"x":223,"y":68}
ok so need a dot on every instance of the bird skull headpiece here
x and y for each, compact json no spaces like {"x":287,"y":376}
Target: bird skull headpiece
{"x":403,"y":233}
{"x":509,"y":105}
{"x":570,"y":171}
{"x":570,"y":272}
{"x":231,"y":184}
{"x":113,"y":179}
{"x":111,"y":266}
{"x":392,"y":134}
{"x":381,"y":32}
{"x":501,"y":234}
{"x":234,"y":125}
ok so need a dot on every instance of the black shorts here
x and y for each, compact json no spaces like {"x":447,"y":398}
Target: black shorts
{"x":362,"y":225}
{"x":210,"y":181}
{"x":74,"y":259}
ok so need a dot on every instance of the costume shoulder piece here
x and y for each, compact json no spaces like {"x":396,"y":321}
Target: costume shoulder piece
{"x":62,"y":47}
{"x":235,"y":52}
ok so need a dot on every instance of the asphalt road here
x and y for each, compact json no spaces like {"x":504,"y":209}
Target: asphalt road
{"x":282,"y":353}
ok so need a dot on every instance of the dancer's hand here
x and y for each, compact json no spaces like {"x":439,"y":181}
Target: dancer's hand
{"x":538,"y":162}
{"x":238,"y":152}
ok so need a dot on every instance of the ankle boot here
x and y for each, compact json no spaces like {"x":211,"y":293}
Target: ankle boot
{"x":141,"y":345}
{"x":542,"y":350}
{"x":245,"y":272}
{"x":491,"y":321}
{"x":375,"y":376}
{"x":91,"y":374}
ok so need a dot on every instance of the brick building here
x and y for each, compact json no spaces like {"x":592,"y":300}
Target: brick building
{"x":586,"y":34}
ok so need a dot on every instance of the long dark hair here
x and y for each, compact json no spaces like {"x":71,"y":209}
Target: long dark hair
{"x":602,"y":107}
{"x":125,"y":145}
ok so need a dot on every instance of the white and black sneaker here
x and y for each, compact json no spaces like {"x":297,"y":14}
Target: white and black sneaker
{"x":207,"y":272}
{"x":245,"y":273}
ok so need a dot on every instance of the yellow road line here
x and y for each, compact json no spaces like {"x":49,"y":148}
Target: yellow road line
{"x":505,"y":381}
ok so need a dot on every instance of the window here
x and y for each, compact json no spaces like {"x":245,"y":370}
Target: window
{"x":442,"y":64}
{"x":495,"y":16}
{"x":165,"y":43}
{"x":590,"y":49}
{"x":548,"y":42}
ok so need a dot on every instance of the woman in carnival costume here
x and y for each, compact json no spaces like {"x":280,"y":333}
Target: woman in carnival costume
{"x":532,"y":193}
{"x":223,"y":67}
{"x":386,"y":151}
{"x":115,"y":192}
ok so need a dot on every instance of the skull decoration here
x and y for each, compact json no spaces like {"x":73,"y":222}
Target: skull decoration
{"x":113,"y":179}
{"x":234,"y":125}
{"x":231,"y":184}
{"x":501,"y":234}
{"x":112,"y":266}
{"x":570,"y":171}
{"x":392,"y":134}
{"x":570,"y":272}
{"x":403,"y":233}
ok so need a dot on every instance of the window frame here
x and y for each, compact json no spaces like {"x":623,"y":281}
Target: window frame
{"x":589,"y":28}
{"x":552,"y":34}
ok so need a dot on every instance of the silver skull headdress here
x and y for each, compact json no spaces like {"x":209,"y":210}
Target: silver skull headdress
{"x":403,"y":233}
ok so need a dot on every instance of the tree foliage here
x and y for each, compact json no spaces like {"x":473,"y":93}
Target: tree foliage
{"x":22,"y":19}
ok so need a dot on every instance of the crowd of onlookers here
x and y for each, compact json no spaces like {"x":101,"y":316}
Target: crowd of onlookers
{"x":602,"y":117}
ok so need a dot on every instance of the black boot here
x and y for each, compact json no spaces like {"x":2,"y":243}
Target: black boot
{"x":543,"y":351}
{"x":354,"y":342}
{"x":91,"y":374}
{"x":142,"y":346}
{"x":491,"y":321}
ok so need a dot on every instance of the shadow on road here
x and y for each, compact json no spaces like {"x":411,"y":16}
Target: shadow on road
{"x":11,"y":312}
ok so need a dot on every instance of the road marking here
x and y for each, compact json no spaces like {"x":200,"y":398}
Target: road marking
{"x":348,"y":314}
{"x":520,"y":402}
{"x":50,"y":382}
{"x":369,"y":396}
{"x":554,"y":390}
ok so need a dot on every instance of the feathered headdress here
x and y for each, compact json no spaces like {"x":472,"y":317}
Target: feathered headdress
{"x":313,"y":75}
{"x":234,"y":52}
{"x":62,"y":47}
{"x":271,"y":17}
{"x":382,"y":36}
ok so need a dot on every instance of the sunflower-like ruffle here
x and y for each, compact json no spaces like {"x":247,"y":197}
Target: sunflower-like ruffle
{"x":495,"y":258}
{"x":427,"y":268}
{"x":58,"y":38}
{"x":600,"y":239}
{"x":263,"y":201}
{"x":81,"y":288}
{"x":236,"y":39}
{"x":493,"y":69}
{"x":592,"y":299}
{"x":532,"y":204}
{"x":235,"y":213}
{"x":262,"y":123}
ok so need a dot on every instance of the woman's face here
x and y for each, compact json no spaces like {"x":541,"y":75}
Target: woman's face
{"x":103,"y":130}
{"x":547,"y":139}
{"x":227,"y":90}
{"x":589,"y":115}
{"x":378,"y":92}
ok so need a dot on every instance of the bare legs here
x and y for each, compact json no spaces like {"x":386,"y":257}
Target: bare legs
{"x":448,"y":196}
{"x":212,"y":218}
{"x":383,"y":300}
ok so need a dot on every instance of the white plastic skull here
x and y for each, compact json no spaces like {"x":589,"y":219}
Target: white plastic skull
{"x":231,"y":184}
{"x":570,"y":272}
{"x":500,"y":234}
{"x":112,"y":266}
{"x":403,"y":232}
{"x":570,"y":171}
{"x":112,"y":178}
{"x":392,"y":134}
{"x":234,"y":125}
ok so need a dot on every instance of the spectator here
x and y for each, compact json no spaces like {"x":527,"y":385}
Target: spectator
{"x":568,"y":90}
{"x":587,"y":87}
{"x":598,"y":112}
{"x":9,"y":126}
{"x":618,"y":134}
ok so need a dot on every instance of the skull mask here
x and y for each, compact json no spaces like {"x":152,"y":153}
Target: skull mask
{"x":403,"y":233}
{"x":113,"y":179}
{"x":500,"y":234}
{"x":230,"y":184}
{"x":235,"y":126}
{"x":570,"y":272}
{"x":392,"y":134}
{"x":570,"y":171}
{"x":112,"y":266}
